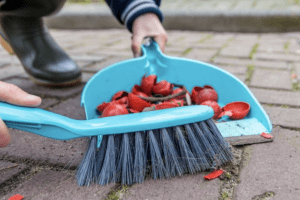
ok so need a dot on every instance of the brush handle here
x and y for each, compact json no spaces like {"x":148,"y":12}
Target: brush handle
{"x":59,"y":127}
{"x":36,"y":120}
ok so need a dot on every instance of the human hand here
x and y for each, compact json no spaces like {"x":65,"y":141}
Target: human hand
{"x":147,"y":25}
{"x":14,"y":95}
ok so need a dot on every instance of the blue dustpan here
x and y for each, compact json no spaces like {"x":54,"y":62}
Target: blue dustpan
{"x":123,"y":76}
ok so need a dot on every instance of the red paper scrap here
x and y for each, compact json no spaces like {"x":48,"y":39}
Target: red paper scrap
{"x":16,"y":197}
{"x":266,"y":135}
{"x":214,"y":174}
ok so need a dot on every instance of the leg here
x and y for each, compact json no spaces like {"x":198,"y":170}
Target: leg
{"x":44,"y":61}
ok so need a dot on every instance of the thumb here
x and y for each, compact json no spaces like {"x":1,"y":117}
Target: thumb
{"x":4,"y":135}
{"x":136,"y":45}
{"x":161,"y":41}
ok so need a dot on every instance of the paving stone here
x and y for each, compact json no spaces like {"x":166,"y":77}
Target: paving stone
{"x":240,"y":50}
{"x":83,"y":49}
{"x":204,"y":55}
{"x":271,"y":48}
{"x":3,"y":64}
{"x":185,"y":187}
{"x":246,"y":62}
{"x":234,"y":69}
{"x":246,"y":38}
{"x":122,"y":45}
{"x":88,"y":58}
{"x":30,"y":87}
{"x":52,"y":185}
{"x":48,"y":102}
{"x":173,"y":52}
{"x":11,"y":70}
{"x":294,"y":46}
{"x":86,"y":76}
{"x":276,"y":79}
{"x":271,"y":167}
{"x":11,"y":59}
{"x":277,"y":56}
{"x":108,"y":62}
{"x":9,"y":170}
{"x":242,"y":77}
{"x":276,"y":97}
{"x":298,"y":72}
{"x":83,"y":64}
{"x":32,"y":147}
{"x":109,"y":52}
{"x":286,"y":117}
{"x":209,"y":45}
{"x":187,"y":38}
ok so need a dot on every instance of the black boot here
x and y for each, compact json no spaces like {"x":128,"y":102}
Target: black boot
{"x":44,"y":61}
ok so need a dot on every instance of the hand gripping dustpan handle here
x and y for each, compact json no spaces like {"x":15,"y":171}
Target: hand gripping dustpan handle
{"x":52,"y":125}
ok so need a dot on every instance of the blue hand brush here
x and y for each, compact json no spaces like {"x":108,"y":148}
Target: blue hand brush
{"x":164,"y":143}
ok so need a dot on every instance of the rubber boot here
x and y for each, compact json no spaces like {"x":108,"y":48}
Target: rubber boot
{"x":23,"y":28}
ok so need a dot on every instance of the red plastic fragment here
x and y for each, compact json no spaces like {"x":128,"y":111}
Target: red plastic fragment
{"x":178,"y":90}
{"x":236,"y":110}
{"x":114,"y":109}
{"x":215,"y":106}
{"x":166,"y":105}
{"x":136,"y":103}
{"x":119,"y":95}
{"x":16,"y":197}
{"x":133,"y":111}
{"x":148,"y":83}
{"x":102,"y":106}
{"x":163,"y":87}
{"x":180,"y":102}
{"x":195,"y":91}
{"x":214,"y":174}
{"x":124,"y":101}
{"x":266,"y":135}
{"x":136,"y":88}
{"x":205,"y":94}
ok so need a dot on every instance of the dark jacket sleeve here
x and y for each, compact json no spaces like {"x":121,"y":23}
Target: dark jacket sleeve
{"x":126,"y":11}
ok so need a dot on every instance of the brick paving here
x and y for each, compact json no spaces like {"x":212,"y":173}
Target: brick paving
{"x":45,"y":168}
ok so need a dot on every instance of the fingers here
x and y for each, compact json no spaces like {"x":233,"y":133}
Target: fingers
{"x":161,"y":41}
{"x":4,"y":135}
{"x":147,"y":25}
{"x":14,"y":95}
{"x":136,"y":45}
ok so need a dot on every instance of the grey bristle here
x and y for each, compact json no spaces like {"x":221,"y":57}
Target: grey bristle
{"x":139,"y":169}
{"x":171,"y":156}
{"x":100,"y":156}
{"x":129,"y":157}
{"x":195,"y":147}
{"x":219,"y":158}
{"x":157,"y":165}
{"x":125,"y":162}
{"x":222,"y":143}
{"x":205,"y":145}
{"x":187,"y":157}
{"x":108,"y":171}
{"x":85,"y":172}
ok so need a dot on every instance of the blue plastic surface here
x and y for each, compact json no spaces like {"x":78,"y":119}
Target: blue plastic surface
{"x":123,"y":76}
{"x":190,"y":73}
{"x":59,"y":127}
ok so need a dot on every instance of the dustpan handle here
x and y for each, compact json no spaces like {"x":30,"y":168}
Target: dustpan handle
{"x":154,"y":56}
{"x":151,"y":48}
